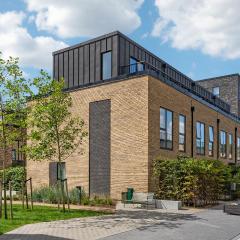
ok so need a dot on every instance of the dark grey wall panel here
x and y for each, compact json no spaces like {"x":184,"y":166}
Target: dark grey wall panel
{"x":55,"y":69}
{"x":103,"y":45}
{"x":86,"y":64}
{"x":76,"y":69}
{"x":70,"y":75}
{"x":66,"y":69}
{"x":81,"y":68}
{"x":99,"y":147}
{"x":115,"y":62}
{"x":98,"y":62}
{"x":52,"y":173}
{"x":109,"y":44}
{"x":92,"y":63}
{"x":60,"y":66}
{"x":122,"y":51}
{"x":127,"y":53}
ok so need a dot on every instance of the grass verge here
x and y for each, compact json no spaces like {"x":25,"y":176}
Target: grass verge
{"x":41,"y":214}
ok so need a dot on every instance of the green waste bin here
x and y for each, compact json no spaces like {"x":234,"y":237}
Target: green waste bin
{"x":129,"y":194}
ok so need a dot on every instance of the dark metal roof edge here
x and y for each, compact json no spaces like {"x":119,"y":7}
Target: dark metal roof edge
{"x":214,"y":78}
{"x":86,"y":42}
{"x":166,"y":81}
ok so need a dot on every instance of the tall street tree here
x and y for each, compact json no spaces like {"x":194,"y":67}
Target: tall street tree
{"x":54,"y":133}
{"x":14,"y":91}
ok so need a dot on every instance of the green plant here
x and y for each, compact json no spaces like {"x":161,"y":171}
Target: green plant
{"x":54,"y":132}
{"x":16,"y":175}
{"x":51,"y":195}
{"x":193,"y":181}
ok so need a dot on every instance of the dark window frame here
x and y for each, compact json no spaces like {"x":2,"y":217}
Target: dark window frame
{"x":222,"y":146}
{"x":182,"y":134}
{"x":217,"y":95}
{"x":210,"y":142}
{"x":102,"y":55}
{"x":166,"y":130}
{"x":138,"y":65}
{"x":199,"y":138}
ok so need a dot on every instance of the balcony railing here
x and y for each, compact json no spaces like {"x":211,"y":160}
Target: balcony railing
{"x":180,"y":80}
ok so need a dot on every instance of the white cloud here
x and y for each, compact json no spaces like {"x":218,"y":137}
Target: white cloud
{"x":16,"y":41}
{"x":77,"y":18}
{"x":209,"y":25}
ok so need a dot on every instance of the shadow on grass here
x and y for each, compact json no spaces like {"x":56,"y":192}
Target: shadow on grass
{"x":30,"y":237}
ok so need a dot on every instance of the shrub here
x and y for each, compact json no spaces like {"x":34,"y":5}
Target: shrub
{"x":190,"y":180}
{"x":53,"y":195}
{"x":16,"y":175}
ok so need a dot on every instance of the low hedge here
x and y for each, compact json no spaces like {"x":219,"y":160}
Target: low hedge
{"x":193,"y":181}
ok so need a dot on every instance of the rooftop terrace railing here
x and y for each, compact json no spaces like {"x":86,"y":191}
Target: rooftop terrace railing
{"x":178,"y":79}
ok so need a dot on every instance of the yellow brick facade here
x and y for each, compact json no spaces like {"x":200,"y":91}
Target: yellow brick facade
{"x":135,"y":105}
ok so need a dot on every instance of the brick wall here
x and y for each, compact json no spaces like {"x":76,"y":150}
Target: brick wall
{"x":135,"y":105}
{"x":229,"y":89}
{"x":129,"y":139}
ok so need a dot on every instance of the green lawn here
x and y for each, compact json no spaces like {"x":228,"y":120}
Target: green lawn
{"x":40,"y":214}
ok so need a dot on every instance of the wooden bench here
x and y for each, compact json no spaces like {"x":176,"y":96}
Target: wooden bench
{"x":145,"y":199}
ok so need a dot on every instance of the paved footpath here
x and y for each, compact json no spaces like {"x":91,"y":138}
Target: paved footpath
{"x":138,"y":224}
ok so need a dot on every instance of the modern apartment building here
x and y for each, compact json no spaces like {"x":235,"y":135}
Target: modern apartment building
{"x":136,"y":107}
{"x":227,"y":88}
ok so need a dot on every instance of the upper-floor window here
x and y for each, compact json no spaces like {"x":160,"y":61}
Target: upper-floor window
{"x":238,"y":148}
{"x":166,"y":128}
{"x":135,"y":65}
{"x":182,"y":133}
{"x":230,"y":143}
{"x":223,"y":144}
{"x":216,"y":91}
{"x":106,"y":65}
{"x":210,"y":141}
{"x":200,"y":138}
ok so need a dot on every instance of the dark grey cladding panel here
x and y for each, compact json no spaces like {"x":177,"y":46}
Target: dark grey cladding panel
{"x":55,"y":70}
{"x":60,"y":67}
{"x":109,"y":44}
{"x":86,"y":64}
{"x":65,"y":68}
{"x":71,"y":76}
{"x":52,"y":173}
{"x":99,"y":147}
{"x":76,"y":67}
{"x":81,"y":66}
{"x":98,"y":61}
{"x":92,"y":63}
{"x":115,"y":54}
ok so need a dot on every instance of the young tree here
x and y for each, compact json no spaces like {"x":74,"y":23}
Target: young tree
{"x":54,"y":134}
{"x":14,"y":90}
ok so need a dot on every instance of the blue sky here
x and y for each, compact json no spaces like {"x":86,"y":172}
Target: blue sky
{"x":191,"y":35}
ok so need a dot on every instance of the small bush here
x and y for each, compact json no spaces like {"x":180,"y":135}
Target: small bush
{"x":16,"y":175}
